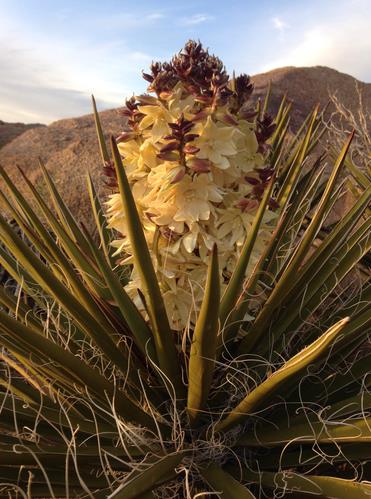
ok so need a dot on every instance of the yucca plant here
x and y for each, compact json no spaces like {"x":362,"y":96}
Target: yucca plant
{"x":107,"y":391}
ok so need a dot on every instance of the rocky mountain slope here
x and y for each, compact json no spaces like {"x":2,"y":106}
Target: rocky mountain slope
{"x":306,"y":87}
{"x":9,"y":131}
{"x":69,"y":147}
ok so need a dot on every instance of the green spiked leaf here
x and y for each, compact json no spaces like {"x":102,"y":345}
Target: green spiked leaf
{"x":286,"y":374}
{"x":294,"y":171}
{"x":131,"y":314}
{"x":204,"y":342}
{"x":104,"y":232}
{"x":55,"y":288}
{"x":82,"y":374}
{"x":144,"y":481}
{"x":309,"y":485}
{"x":65,"y":216}
{"x":235,"y":284}
{"x":164,"y":342}
{"x":340,"y":264}
{"x":80,"y":258}
{"x":225,"y":484}
{"x":288,"y":278}
{"x":102,"y":142}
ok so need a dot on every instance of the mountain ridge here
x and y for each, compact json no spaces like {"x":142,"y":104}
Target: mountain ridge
{"x":9,"y":131}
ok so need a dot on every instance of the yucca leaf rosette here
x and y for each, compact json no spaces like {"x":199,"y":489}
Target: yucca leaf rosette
{"x":196,"y":162}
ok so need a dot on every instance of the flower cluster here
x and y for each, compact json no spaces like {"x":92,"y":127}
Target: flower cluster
{"x":194,"y":154}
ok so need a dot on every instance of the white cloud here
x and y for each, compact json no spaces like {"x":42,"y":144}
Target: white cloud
{"x":44,"y":79}
{"x":155,"y":15}
{"x":29,"y":103}
{"x":279,"y":24}
{"x":122,"y":20}
{"x":196,"y":19}
{"x":341,"y":43}
{"x":307,"y":52}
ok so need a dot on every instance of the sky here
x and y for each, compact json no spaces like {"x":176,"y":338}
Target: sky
{"x":54,"y":54}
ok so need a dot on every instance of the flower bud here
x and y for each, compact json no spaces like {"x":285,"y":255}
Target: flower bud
{"x":265,"y":174}
{"x":252,"y":180}
{"x":190,"y":137}
{"x":112,"y":183}
{"x":125,"y":137}
{"x":246,"y":204}
{"x":273,"y":204}
{"x":178,"y":176}
{"x":190,"y":149}
{"x":171,"y":146}
{"x":147,"y":77}
{"x":168,"y":156}
{"x":109,"y":172}
{"x":165,"y":95}
{"x":229,"y":119}
{"x":187,"y":127}
{"x":202,"y":115}
{"x":168,"y":137}
{"x":247,"y":114}
{"x":125,"y":111}
{"x":199,"y":165}
{"x":148,"y":100}
{"x":205,"y":99}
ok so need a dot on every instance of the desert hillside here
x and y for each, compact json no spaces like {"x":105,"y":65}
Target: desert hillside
{"x":306,"y":87}
{"x":69,"y":147}
{"x":9,"y":131}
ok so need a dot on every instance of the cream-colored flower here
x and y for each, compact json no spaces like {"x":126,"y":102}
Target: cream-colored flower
{"x":247,"y":141}
{"x":194,"y":197}
{"x":156,"y":117}
{"x":217,"y":143}
{"x":138,"y":157}
{"x":180,"y":104}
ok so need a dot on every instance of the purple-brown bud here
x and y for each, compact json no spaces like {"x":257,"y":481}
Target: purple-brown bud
{"x":248,"y":113}
{"x":147,"y":100}
{"x":252,"y":180}
{"x":187,"y":127}
{"x":109,"y":172}
{"x":147,"y":77}
{"x":190,"y":137}
{"x":125,"y":137}
{"x":230,"y":120}
{"x":165,"y":95}
{"x":188,"y":149}
{"x":247,"y":204}
{"x":199,"y":165}
{"x":178,"y":177}
{"x":265,"y":174}
{"x":171,"y":146}
{"x":202,"y":115}
{"x":111,"y":183}
{"x":273,"y":205}
{"x":168,"y":156}
{"x":125,"y":111}
{"x":204,"y":99}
